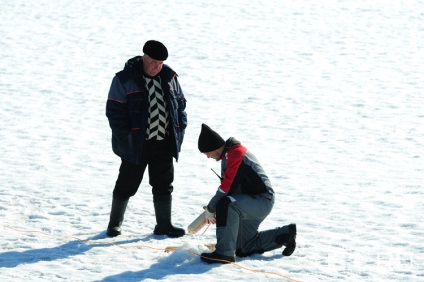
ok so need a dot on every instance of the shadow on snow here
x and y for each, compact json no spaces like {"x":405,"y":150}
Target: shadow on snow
{"x":175,"y":266}
{"x":15,"y":258}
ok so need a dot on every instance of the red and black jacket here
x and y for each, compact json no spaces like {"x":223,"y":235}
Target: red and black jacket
{"x":241,"y":173}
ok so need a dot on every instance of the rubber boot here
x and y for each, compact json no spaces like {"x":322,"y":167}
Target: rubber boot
{"x":163,"y":217}
{"x":288,"y":240}
{"x":116,"y":217}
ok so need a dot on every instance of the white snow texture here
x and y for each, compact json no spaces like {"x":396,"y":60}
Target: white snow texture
{"x":327,"y":94}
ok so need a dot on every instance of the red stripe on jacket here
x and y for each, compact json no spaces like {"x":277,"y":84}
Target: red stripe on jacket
{"x":234,"y":157}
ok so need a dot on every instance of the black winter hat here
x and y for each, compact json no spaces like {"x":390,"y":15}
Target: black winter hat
{"x":209,"y":140}
{"x":155,"y":50}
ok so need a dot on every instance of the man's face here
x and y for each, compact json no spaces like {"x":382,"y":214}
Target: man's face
{"x":151,"y":67}
{"x":214,"y":155}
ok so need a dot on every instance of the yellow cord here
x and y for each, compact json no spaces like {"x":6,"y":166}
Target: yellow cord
{"x":88,"y":242}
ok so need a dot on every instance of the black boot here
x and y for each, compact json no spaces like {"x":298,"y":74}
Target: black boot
{"x":163,"y":217}
{"x":288,"y":240}
{"x":116,"y":217}
{"x":216,"y":258}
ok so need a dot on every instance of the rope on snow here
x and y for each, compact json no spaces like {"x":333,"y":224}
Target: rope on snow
{"x":88,"y":242}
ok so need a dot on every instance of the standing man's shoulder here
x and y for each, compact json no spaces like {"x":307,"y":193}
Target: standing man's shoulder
{"x":168,"y":72}
{"x":131,"y":67}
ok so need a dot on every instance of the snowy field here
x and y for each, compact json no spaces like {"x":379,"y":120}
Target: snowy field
{"x":327,"y":94}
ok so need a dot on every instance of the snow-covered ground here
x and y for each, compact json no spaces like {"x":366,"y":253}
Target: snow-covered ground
{"x":327,"y":94}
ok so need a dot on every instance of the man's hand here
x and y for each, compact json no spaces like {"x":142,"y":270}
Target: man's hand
{"x":209,"y":216}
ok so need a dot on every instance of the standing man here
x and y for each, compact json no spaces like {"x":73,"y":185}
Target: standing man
{"x":243,"y":200}
{"x":146,"y":112}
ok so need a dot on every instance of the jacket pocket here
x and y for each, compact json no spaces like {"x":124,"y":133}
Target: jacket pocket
{"x":136,"y":110}
{"x":124,"y":145}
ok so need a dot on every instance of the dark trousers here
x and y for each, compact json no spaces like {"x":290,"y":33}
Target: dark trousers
{"x":157,"y":156}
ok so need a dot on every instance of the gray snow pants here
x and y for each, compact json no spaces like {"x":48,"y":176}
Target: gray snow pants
{"x":238,"y":220}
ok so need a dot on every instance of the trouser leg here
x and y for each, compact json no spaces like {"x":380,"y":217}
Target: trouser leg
{"x":227,"y":227}
{"x":161,"y":167}
{"x":263,"y":241}
{"x":129,"y":179}
{"x":238,"y":220}
{"x":250,"y":241}
{"x":161,"y":176}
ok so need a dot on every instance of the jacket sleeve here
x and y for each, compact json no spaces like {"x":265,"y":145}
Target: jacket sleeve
{"x":116,"y":109}
{"x":182,"y":115}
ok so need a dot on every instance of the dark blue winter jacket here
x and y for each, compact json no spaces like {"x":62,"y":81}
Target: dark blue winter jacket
{"x":127,"y":109}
